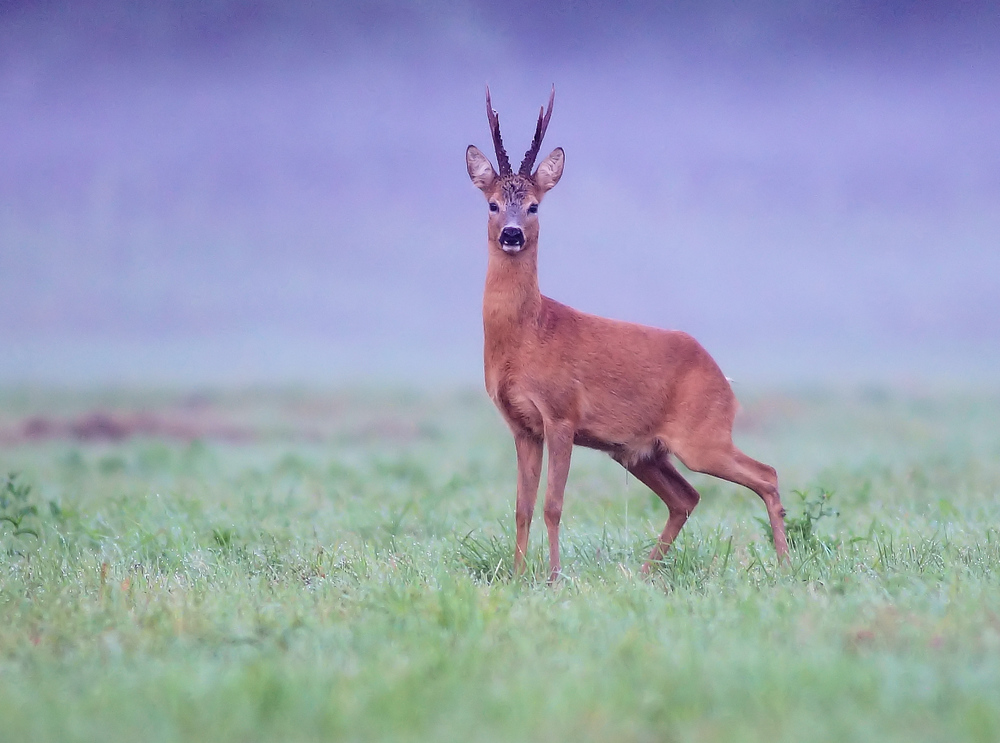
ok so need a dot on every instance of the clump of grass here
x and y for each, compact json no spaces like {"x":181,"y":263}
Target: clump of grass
{"x":487,"y":559}
{"x":225,"y":538}
{"x":923,"y":555}
{"x":694,"y":560}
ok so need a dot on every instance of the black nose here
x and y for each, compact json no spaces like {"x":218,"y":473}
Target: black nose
{"x":512,"y":236}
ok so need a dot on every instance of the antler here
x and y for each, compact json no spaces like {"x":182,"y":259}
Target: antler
{"x":502,"y":162}
{"x":543,"y":123}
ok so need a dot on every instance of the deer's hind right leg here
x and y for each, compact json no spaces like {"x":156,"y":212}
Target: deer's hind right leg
{"x":679,"y":496}
{"x":726,"y":461}
{"x":529,"y":471}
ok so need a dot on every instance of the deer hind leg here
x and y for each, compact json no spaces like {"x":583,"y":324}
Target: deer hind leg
{"x":529,"y":470}
{"x":729,"y":463}
{"x":680,"y":498}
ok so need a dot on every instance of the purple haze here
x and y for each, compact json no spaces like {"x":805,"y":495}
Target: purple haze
{"x":232,"y":192}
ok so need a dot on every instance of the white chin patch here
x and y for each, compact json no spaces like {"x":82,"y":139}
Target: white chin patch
{"x":511,"y":248}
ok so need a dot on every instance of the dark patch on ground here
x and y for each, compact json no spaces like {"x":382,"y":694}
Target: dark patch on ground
{"x":189,"y":420}
{"x":115,"y":426}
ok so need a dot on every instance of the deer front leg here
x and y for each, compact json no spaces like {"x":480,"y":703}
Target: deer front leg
{"x":529,"y":471}
{"x":559,"y":437}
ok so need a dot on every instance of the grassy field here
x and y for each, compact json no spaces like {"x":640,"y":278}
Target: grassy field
{"x":301,"y":566}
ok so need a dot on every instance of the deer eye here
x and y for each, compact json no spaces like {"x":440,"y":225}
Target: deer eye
{"x":533,"y":209}
{"x":494,"y":207}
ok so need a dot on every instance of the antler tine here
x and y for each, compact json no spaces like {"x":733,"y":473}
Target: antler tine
{"x":502,"y":162}
{"x":543,"y":123}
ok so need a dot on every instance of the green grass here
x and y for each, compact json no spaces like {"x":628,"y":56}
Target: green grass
{"x":354,"y":584}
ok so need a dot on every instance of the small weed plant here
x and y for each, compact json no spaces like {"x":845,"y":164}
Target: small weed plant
{"x":18,"y":515}
{"x":801,"y":528}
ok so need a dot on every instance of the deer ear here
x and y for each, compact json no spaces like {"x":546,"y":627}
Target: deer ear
{"x":480,"y":170}
{"x":550,"y":170}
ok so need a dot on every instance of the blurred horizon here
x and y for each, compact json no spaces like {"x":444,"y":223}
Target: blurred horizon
{"x":267,"y":192}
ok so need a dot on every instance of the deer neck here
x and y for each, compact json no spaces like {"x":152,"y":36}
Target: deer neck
{"x":511,"y":301}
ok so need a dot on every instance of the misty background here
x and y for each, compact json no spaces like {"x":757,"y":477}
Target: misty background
{"x":269,"y":192}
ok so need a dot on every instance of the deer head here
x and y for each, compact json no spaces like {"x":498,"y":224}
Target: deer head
{"x":514,"y":197}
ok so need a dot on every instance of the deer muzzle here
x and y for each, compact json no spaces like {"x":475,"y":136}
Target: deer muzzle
{"x":511,"y":239}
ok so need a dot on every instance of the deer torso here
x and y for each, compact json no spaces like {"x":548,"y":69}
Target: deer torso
{"x":615,"y":382}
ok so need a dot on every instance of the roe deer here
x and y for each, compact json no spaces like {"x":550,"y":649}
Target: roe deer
{"x":564,"y":377}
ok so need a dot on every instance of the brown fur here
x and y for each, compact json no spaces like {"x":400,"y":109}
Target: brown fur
{"x":563,"y":377}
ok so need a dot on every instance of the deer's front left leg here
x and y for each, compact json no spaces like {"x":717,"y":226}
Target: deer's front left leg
{"x":529,"y":472}
{"x":559,"y":438}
